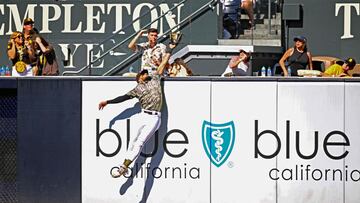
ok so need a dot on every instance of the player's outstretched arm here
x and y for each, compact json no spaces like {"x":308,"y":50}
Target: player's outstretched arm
{"x":118,"y":99}
{"x":165,"y":59}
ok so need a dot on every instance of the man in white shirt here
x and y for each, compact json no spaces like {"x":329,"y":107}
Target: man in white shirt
{"x":152,"y":52}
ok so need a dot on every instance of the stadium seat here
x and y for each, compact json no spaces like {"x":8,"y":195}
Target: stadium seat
{"x":321,"y":63}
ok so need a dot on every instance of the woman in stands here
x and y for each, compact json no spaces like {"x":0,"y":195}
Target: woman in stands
{"x":47,"y":64}
{"x":21,"y":54}
{"x":297,"y":57}
{"x":238,"y":65}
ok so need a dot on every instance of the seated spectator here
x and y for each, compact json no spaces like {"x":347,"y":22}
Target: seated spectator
{"x":297,"y":57}
{"x":21,"y":54}
{"x":179,"y":69}
{"x":340,"y":69}
{"x":238,"y":65}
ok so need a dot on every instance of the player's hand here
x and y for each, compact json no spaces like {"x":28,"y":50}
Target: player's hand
{"x":102,"y":105}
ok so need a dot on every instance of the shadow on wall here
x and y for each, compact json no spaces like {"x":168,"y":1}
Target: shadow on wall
{"x":152,"y":149}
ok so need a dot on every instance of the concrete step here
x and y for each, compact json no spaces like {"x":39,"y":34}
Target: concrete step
{"x":266,"y":27}
{"x":251,"y":42}
{"x":272,"y":35}
{"x":273,"y":21}
{"x":262,"y":32}
{"x":261,"y":37}
{"x":264,"y":21}
{"x":261,"y":16}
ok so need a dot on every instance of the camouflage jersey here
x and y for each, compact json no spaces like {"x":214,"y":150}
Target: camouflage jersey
{"x":149,"y":94}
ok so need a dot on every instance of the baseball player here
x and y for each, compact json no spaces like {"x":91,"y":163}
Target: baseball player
{"x":148,"y":91}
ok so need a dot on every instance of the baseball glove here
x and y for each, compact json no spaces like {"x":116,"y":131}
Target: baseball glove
{"x":175,"y":37}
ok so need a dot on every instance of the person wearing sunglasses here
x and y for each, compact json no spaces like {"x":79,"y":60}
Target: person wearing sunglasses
{"x":20,"y":55}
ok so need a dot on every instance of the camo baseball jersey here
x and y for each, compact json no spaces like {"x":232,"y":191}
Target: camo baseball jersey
{"x":149,"y":94}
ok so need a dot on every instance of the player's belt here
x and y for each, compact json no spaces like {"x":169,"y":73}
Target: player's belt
{"x":151,"y":112}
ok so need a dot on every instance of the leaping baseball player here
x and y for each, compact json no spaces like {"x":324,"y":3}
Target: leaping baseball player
{"x":148,"y":91}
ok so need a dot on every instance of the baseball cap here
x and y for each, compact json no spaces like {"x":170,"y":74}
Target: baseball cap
{"x":300,"y":38}
{"x":28,"y":21}
{"x":351,"y":62}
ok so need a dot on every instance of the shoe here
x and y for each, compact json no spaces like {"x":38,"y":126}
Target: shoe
{"x":118,"y":171}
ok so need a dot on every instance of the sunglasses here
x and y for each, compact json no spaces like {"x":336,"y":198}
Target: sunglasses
{"x":18,"y":36}
{"x":29,"y":23}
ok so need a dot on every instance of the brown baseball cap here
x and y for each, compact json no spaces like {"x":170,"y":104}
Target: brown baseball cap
{"x":28,"y":21}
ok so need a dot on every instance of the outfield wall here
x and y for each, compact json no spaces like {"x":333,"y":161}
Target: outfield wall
{"x":282,"y":139}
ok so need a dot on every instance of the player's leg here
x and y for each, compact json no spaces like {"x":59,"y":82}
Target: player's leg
{"x":152,"y":123}
{"x":151,"y":126}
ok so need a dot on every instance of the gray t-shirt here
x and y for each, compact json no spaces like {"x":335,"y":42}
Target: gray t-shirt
{"x":149,"y":94}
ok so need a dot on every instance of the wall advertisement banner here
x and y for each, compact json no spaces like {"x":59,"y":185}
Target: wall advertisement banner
{"x":221,"y":141}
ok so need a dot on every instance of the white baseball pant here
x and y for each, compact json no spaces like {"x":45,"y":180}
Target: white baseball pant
{"x":151,"y":123}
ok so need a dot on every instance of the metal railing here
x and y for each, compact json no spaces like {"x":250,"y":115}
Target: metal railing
{"x":108,"y":39}
{"x":209,"y":5}
{"x":109,"y":51}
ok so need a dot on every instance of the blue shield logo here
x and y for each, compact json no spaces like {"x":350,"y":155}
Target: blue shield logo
{"x":218,"y":141}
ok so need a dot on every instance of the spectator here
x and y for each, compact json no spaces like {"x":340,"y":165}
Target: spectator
{"x":298,"y":57}
{"x":46,"y":64}
{"x":338,"y":70}
{"x":29,"y":32}
{"x":238,"y":65}
{"x":179,"y":69}
{"x":20,"y":54}
{"x":231,"y":22}
{"x":248,"y":6}
{"x":152,"y":52}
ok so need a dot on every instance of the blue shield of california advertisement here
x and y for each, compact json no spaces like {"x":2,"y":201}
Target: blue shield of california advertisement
{"x":218,"y":141}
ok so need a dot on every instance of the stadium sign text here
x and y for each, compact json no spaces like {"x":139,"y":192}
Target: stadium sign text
{"x":94,"y":19}
{"x":347,"y":8}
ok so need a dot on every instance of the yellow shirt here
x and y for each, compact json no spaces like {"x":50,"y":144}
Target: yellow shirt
{"x":334,"y":70}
